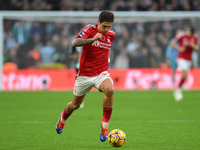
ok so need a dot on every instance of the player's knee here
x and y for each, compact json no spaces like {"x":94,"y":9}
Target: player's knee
{"x":184,"y":74}
{"x":76,"y":106}
{"x":109,"y":92}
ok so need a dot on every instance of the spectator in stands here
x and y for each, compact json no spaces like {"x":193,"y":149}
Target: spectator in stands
{"x":122,"y":60}
{"x":35,"y":39}
{"x":56,"y":44}
{"x":65,"y":32}
{"x":134,"y":60}
{"x":38,"y":5}
{"x":144,"y":5}
{"x":10,"y":41}
{"x":144,"y":58}
{"x":49,"y":27}
{"x":36,"y":29}
{"x":93,"y":5}
{"x":58,"y":28}
{"x":10,"y":48}
{"x":173,"y":5}
{"x":132,"y":45}
{"x":12,"y":55}
{"x":121,"y":5}
{"x":195,"y":59}
{"x":16,"y":5}
{"x":47,"y":52}
{"x":120,"y":44}
{"x":157,"y":56}
{"x":31,"y":62}
{"x":154,"y":6}
{"x":195,"y":5}
{"x":20,"y":32}
{"x":64,"y":56}
{"x":65,"y":5}
{"x":111,"y":58}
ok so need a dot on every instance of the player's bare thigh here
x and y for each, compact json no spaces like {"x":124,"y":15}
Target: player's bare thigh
{"x":107,"y":87}
{"x":184,"y":73}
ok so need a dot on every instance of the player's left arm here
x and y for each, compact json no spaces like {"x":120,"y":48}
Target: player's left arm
{"x":195,"y":46}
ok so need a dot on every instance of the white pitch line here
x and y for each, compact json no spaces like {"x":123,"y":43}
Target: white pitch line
{"x":25,"y":122}
{"x":136,"y":121}
{"x":167,"y":121}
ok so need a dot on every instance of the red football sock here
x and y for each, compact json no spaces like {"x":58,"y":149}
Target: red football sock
{"x":106,"y":114}
{"x":181,"y":82}
{"x":66,"y":115}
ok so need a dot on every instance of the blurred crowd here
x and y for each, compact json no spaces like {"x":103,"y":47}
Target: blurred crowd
{"x":95,"y":5}
{"x":33,"y":44}
{"x":43,"y":44}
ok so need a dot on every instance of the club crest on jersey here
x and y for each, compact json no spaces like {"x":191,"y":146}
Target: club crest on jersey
{"x":185,"y":42}
{"x":96,"y":43}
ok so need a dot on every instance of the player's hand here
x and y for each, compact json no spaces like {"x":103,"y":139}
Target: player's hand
{"x":98,"y":36}
{"x":181,"y":49}
{"x":192,"y":44}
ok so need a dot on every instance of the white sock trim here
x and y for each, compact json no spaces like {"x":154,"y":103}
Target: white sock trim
{"x":105,"y":124}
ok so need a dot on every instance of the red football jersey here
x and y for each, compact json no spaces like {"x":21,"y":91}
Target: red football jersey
{"x":94,"y":57}
{"x":184,"y":41}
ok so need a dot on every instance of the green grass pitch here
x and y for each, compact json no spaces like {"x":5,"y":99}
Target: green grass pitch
{"x":152,"y":120}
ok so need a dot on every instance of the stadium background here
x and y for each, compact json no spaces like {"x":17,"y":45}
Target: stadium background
{"x":151,"y":119}
{"x":44,"y":44}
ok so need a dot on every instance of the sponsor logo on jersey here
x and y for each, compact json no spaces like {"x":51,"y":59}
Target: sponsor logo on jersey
{"x":101,"y":44}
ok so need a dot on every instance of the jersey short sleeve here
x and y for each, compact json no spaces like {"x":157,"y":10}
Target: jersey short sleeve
{"x":86,"y":32}
{"x":113,"y":35}
{"x":179,"y":36}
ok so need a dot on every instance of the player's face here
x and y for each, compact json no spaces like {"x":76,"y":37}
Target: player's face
{"x":104,"y":27}
{"x":188,"y":32}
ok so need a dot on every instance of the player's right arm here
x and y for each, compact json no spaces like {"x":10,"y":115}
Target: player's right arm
{"x":194,"y":44}
{"x":82,"y":42}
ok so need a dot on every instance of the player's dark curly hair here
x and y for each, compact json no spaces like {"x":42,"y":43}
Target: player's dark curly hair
{"x":192,"y":29}
{"x":106,"y":16}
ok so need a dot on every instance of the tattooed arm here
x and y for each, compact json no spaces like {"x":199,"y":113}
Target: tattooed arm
{"x":82,"y":42}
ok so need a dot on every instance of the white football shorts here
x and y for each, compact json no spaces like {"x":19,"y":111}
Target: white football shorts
{"x":183,"y":64}
{"x":84,"y":84}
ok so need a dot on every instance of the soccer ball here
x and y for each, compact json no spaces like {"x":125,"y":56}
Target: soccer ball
{"x":116,"y":138}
